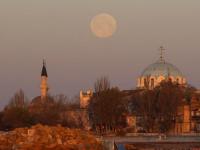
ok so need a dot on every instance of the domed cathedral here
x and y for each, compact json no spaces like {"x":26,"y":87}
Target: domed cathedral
{"x":160,"y":71}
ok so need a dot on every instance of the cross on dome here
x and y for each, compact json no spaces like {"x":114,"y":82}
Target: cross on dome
{"x":162,"y":49}
{"x":44,"y":62}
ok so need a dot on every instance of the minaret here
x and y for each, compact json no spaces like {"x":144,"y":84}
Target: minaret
{"x":44,"y":77}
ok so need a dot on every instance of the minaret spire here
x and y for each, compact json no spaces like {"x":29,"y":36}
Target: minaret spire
{"x":44,"y":85}
{"x":44,"y":62}
{"x":162,"y":49}
{"x":44,"y":70}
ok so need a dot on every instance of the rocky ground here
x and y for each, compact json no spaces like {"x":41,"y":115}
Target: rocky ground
{"x":41,"y":137}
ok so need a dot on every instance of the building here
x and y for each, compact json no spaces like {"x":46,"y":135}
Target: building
{"x":44,"y":82}
{"x":188,"y":113}
{"x":85,"y":98}
{"x":161,"y":70}
{"x":44,"y":88}
{"x":188,"y":116}
{"x":195,"y":113}
{"x":76,"y":116}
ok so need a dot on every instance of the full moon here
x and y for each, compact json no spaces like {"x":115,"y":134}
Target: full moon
{"x":103,"y":25}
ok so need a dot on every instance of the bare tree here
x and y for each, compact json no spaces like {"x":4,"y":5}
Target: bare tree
{"x":74,"y":102}
{"x":18,"y":100}
{"x":16,"y":113}
{"x":101,"y":84}
{"x":49,"y":111}
{"x":158,"y":107}
{"x":144,"y":106}
{"x":169,"y":97}
{"x":189,"y":92}
{"x":107,"y":109}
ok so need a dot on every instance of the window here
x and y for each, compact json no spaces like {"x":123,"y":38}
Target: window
{"x":177,"y":80}
{"x":152,"y":83}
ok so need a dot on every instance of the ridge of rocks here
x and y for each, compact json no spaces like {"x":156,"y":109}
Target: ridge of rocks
{"x":40,"y":137}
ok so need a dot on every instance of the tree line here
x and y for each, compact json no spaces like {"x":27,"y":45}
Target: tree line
{"x":20,"y":112}
{"x":156,"y":109}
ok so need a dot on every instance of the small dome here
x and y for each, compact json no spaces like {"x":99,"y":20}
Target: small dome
{"x":161,"y":68}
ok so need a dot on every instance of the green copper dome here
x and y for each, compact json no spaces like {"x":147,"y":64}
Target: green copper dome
{"x":161,"y":68}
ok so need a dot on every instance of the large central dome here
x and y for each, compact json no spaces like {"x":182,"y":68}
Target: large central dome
{"x":155,"y":73}
{"x":161,"y":69}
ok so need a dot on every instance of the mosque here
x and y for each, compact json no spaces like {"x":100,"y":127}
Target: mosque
{"x":44,"y":88}
{"x":76,"y":114}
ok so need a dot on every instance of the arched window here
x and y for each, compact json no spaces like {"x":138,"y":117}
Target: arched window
{"x":182,"y":81}
{"x":152,"y":83}
{"x":177,"y":80}
{"x":145,"y":82}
